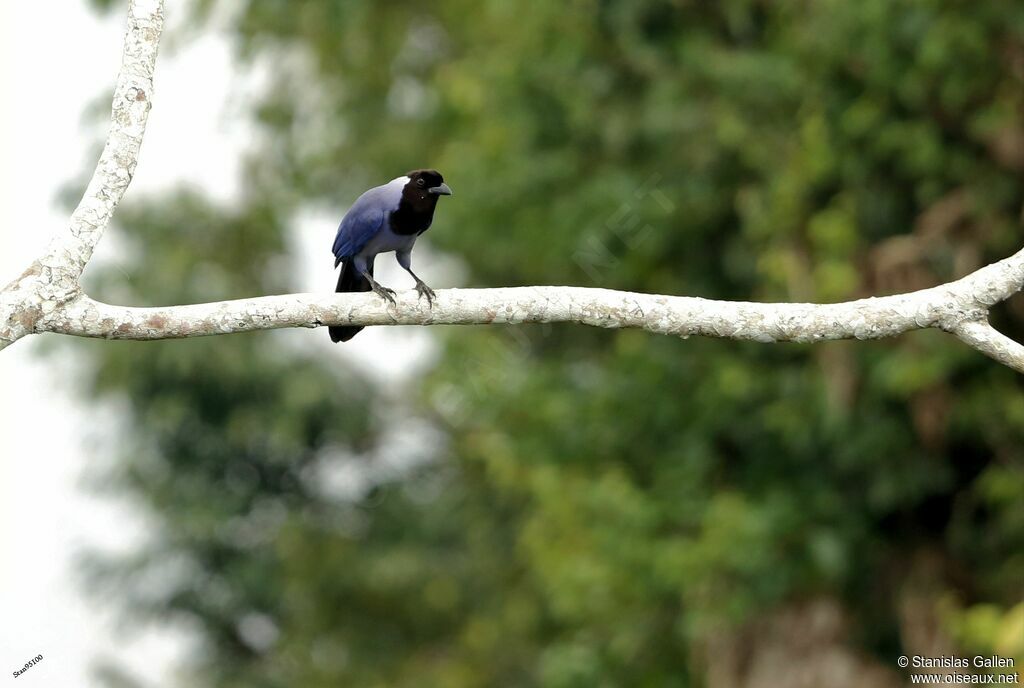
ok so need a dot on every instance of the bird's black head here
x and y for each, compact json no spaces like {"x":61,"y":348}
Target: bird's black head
{"x":419,"y":199}
{"x":424,"y":187}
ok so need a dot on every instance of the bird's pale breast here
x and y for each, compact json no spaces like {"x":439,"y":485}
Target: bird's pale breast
{"x":386,"y":240}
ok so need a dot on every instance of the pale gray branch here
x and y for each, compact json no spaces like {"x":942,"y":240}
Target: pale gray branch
{"x":53,"y":279}
{"x":952,"y":307}
{"x":47,"y":297}
{"x":133,"y":94}
{"x":991,"y":342}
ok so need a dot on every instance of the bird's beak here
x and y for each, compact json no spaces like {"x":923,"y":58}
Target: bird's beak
{"x":442,"y":190}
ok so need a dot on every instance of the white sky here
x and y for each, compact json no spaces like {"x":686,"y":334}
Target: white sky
{"x":58,"y":58}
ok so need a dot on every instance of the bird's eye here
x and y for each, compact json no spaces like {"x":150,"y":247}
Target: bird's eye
{"x":420,"y":182}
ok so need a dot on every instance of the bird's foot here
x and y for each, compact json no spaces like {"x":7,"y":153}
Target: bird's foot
{"x":385,"y":293}
{"x":423,"y":290}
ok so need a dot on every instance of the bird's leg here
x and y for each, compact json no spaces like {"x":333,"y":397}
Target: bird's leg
{"x":381,"y":291}
{"x":384,"y":292}
{"x":423,"y":290}
{"x":405,"y":260}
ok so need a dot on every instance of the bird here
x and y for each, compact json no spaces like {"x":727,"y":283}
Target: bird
{"x":386,"y":218}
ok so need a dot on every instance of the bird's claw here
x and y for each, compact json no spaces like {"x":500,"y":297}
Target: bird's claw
{"x":385,"y":293}
{"x":423,"y":290}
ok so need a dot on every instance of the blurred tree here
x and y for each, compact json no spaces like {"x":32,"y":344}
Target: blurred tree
{"x":606,"y":508}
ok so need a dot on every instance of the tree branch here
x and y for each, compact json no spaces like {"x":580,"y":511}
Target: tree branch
{"x":116,"y":166}
{"x":53,"y":279}
{"x":959,"y":307}
{"x":47,"y":297}
{"x":989,"y":341}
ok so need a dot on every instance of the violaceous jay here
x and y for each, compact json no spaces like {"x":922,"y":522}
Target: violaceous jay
{"x":385,"y":218}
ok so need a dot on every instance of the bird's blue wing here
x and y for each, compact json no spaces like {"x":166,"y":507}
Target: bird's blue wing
{"x":360,"y":224}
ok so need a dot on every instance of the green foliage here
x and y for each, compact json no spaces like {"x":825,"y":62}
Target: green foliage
{"x":602,"y":500}
{"x":987,"y":630}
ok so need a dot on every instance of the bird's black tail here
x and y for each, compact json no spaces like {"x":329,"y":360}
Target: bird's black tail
{"x":349,"y":280}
